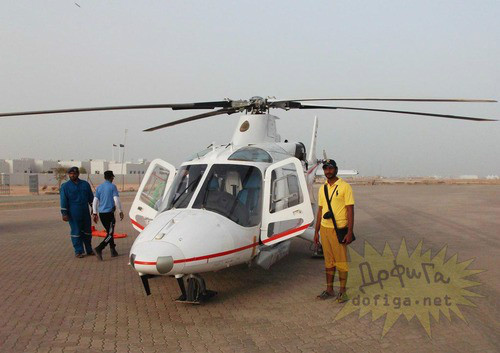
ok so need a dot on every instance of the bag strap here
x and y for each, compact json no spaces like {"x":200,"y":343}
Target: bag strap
{"x":328,"y":201}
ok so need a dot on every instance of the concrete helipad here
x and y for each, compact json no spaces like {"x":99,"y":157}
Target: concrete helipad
{"x":53,"y":302}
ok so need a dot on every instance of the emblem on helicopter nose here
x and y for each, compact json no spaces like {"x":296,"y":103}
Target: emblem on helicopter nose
{"x":244,"y":127}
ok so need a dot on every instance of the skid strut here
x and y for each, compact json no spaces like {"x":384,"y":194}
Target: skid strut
{"x":145,"y":283}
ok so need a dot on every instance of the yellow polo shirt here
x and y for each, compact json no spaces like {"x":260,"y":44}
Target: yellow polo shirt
{"x":342,"y":198}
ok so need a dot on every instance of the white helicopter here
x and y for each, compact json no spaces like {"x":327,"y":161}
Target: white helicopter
{"x":230,"y":204}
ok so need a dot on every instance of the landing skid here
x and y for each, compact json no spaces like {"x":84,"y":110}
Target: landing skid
{"x":196,"y":293}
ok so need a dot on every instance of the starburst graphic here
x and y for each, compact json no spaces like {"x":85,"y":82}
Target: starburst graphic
{"x":408,"y":285}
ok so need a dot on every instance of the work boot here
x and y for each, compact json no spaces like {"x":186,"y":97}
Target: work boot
{"x":113,"y":252}
{"x":98,"y":252}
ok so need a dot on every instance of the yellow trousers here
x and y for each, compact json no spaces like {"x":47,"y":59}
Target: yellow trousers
{"x":334,"y":252}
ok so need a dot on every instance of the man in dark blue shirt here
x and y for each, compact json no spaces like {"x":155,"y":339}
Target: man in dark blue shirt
{"x":106,"y":201}
{"x":76,"y":196}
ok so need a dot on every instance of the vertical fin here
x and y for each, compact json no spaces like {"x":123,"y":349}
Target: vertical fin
{"x":311,"y":158}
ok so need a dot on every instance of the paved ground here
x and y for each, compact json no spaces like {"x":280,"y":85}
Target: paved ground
{"x":53,"y":302}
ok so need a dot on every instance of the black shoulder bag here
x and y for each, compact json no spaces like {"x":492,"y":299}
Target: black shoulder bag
{"x":342,"y":232}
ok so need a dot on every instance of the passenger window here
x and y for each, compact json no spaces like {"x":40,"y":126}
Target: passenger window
{"x":152,"y":194}
{"x":286,"y":191}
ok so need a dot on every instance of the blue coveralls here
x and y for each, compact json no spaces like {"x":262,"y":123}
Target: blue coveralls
{"x":75,"y":200}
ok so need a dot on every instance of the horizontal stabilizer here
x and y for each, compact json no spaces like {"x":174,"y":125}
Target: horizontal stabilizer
{"x":341,"y":172}
{"x":347,"y":172}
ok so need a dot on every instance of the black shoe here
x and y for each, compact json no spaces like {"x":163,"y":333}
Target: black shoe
{"x":113,"y":252}
{"x":98,"y":253}
{"x":79,"y":256}
{"x":91,"y":253}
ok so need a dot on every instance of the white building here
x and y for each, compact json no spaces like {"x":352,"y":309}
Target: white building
{"x":129,"y":168}
{"x":98,"y":166}
{"x":468,"y":177}
{"x":79,"y":164}
{"x":43,"y":166}
{"x":23,"y":165}
{"x":4,"y":166}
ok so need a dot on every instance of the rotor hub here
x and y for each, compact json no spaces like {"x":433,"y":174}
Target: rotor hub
{"x":258,"y":105}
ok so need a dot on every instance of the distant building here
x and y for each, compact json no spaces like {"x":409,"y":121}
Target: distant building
{"x":98,"y":166}
{"x":468,"y":177}
{"x":43,"y":166}
{"x":23,"y":165}
{"x":79,"y":164}
{"x":129,"y":168}
{"x":4,"y":166}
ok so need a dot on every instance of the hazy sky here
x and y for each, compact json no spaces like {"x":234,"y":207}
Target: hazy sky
{"x":54,"y":54}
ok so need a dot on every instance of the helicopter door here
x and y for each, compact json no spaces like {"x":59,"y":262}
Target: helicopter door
{"x":286,"y":210}
{"x":152,"y":190}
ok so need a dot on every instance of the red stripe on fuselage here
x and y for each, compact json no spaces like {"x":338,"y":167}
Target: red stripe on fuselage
{"x":152,"y":263}
{"x":138,"y":225}
{"x":228,"y":252}
{"x":285,"y":233}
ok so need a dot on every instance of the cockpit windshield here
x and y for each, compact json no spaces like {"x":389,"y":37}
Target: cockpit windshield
{"x":184,"y":185}
{"x":233,"y":191}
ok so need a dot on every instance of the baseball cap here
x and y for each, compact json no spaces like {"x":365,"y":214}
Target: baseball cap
{"x":74,"y":170}
{"x":108,"y":174}
{"x":329,"y":163}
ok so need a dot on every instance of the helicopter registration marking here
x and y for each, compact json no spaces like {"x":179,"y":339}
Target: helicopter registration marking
{"x":228,"y":252}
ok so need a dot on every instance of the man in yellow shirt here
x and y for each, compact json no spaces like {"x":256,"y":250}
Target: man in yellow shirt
{"x":342,"y":203}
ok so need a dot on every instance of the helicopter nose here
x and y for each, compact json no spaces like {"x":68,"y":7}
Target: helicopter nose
{"x":156,"y":258}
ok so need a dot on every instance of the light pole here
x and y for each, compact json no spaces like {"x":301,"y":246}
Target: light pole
{"x":123,"y":159}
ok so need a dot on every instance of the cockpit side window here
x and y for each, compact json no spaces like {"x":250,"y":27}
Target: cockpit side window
{"x":233,"y":191}
{"x":187,"y":179}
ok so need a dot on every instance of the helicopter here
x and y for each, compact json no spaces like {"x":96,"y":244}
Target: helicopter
{"x":240,"y":202}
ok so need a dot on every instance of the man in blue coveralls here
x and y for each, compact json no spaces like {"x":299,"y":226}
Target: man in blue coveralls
{"x":106,"y":201}
{"x":76,"y":196}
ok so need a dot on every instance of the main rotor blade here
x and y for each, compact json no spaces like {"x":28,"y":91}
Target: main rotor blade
{"x":432,"y":100}
{"x":195,"y":117}
{"x":176,"y":106}
{"x":397,"y":112}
